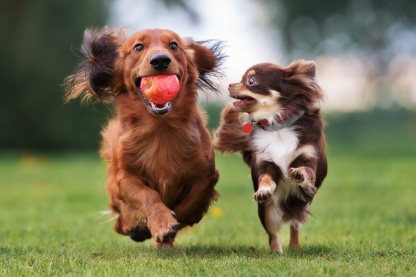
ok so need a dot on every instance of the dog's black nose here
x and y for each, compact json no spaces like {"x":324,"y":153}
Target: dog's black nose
{"x":231,"y":85}
{"x":160,"y":61}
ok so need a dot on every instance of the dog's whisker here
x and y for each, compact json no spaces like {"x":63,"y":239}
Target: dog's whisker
{"x":103,"y":213}
{"x":111,"y":219}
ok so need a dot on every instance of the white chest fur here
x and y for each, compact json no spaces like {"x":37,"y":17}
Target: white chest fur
{"x":278,"y":147}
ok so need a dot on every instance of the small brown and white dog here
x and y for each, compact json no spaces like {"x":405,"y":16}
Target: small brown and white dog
{"x":282,"y":141}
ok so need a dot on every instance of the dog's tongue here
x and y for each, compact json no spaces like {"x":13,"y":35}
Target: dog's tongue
{"x":160,"y":89}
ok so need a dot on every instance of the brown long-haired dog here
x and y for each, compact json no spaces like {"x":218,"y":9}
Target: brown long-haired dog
{"x":161,"y":167}
{"x":282,"y":141}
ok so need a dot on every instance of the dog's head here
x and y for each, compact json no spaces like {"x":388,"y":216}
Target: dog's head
{"x":267,"y":90}
{"x":116,"y":64}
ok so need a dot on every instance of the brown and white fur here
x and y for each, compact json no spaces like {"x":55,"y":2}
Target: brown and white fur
{"x":288,"y":163}
{"x":161,"y":165}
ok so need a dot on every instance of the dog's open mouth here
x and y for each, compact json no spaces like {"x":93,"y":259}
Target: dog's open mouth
{"x":158,"y":108}
{"x":243,"y":101}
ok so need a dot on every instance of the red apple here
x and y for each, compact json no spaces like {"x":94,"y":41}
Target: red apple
{"x":160,"y":89}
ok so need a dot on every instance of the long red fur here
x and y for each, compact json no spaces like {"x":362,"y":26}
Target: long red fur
{"x":161,"y":168}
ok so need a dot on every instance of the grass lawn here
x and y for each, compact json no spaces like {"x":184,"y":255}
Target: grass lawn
{"x":363,"y":223}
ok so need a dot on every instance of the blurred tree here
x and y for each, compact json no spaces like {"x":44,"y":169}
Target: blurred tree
{"x":184,"y":5}
{"x":369,"y":27}
{"x":374,"y":30}
{"x":40,"y":42}
{"x":39,"y":46}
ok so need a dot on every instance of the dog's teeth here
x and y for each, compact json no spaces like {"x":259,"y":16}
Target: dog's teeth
{"x":159,"y":107}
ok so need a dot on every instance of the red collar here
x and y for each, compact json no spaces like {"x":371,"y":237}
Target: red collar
{"x":248,"y":126}
{"x":273,"y":126}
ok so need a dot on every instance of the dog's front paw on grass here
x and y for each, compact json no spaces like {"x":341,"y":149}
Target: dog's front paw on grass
{"x":306,"y":182}
{"x":163,"y":228}
{"x":166,"y":235}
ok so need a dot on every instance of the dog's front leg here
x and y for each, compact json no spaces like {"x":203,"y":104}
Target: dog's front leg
{"x":141,"y":204}
{"x":266,"y":188}
{"x":267,"y":174}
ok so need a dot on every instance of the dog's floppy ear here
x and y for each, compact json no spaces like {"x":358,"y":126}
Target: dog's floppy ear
{"x":96,"y":76}
{"x":209,"y":57}
{"x":302,"y":74}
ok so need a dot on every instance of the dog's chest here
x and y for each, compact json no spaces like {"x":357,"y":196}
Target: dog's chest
{"x":278,"y":146}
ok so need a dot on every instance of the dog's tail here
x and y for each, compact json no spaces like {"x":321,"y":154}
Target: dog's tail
{"x":229,"y":137}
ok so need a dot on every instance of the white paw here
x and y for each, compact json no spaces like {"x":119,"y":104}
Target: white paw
{"x":263,"y":195}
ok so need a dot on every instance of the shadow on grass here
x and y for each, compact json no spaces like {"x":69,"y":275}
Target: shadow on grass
{"x":145,"y":255}
{"x":134,"y":251}
{"x":215,"y":252}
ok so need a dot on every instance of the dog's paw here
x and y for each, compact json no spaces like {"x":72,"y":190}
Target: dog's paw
{"x":164,"y":227}
{"x":263,"y":195}
{"x":298,"y":174}
{"x":140,"y":233}
{"x":167,"y":234}
{"x":304,"y":179}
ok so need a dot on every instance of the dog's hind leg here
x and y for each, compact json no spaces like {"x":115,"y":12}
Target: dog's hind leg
{"x":294,"y":241}
{"x":198,"y":199}
{"x":271,"y":219}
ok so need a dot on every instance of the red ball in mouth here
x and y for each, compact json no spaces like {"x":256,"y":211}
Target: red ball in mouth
{"x":160,"y":89}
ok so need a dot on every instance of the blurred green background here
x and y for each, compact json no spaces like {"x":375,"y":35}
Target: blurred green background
{"x":365,"y":51}
{"x":364,"y":218}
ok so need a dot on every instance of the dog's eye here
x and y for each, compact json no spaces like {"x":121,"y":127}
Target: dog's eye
{"x":173,"y":46}
{"x":138,"y":47}
{"x":251,"y":81}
